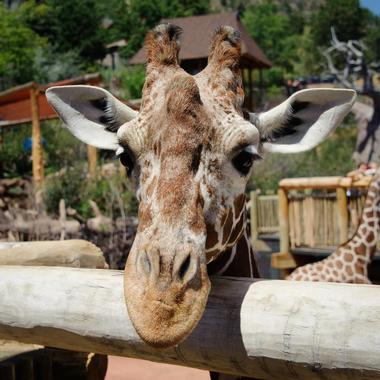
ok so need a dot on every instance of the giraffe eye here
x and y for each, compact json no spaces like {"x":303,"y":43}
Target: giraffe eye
{"x":127,"y":159}
{"x":243,"y":161}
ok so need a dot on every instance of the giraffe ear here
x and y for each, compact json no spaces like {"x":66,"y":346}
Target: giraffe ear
{"x":91,"y":114}
{"x":304,"y":120}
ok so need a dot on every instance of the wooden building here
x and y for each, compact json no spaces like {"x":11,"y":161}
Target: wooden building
{"x":195,"y":45}
{"x":27,"y":104}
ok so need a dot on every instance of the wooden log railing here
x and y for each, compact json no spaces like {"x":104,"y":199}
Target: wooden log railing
{"x":264,"y":329}
{"x":65,"y":253}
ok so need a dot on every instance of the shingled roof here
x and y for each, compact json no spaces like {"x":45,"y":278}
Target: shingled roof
{"x":197,"y":32}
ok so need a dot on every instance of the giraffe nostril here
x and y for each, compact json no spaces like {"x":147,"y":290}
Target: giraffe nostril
{"x":144,"y":263}
{"x":184,"y":267}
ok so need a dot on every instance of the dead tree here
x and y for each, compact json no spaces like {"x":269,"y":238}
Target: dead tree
{"x":359,"y":75}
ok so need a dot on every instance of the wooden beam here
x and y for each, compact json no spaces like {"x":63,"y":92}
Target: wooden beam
{"x":283,"y":261}
{"x":341,"y":197}
{"x":70,"y":253}
{"x":283,"y":219}
{"x":250,"y":94}
{"x":254,"y":216}
{"x":92,"y":158}
{"x":323,"y":183}
{"x":37,"y":157}
{"x":264,"y":329}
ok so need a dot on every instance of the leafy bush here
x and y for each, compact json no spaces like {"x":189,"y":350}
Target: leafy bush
{"x":130,"y":80}
{"x":113,"y":195}
{"x":15,"y":161}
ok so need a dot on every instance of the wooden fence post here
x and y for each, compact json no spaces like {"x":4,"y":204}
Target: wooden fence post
{"x":92,"y":157}
{"x":254,"y":216}
{"x":283,"y":219}
{"x":37,"y":157}
{"x":342,"y":214}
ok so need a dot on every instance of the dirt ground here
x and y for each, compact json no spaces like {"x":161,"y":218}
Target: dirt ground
{"x":133,"y":369}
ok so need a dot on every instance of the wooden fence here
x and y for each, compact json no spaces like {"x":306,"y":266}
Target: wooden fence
{"x":264,"y":214}
{"x":325,"y":217}
{"x":265,"y":329}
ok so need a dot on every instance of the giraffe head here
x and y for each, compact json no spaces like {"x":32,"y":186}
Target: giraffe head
{"x":190,"y":151}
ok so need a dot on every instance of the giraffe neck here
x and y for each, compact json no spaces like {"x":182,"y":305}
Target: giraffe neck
{"x":236,"y":261}
{"x":364,"y":241}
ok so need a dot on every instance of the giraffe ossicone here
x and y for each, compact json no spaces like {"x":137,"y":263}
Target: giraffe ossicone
{"x":190,"y":151}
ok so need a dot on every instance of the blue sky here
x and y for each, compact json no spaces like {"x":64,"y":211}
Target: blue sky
{"x":373,"y":5}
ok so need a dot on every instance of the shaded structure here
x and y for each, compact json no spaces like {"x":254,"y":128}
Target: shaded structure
{"x":195,"y":43}
{"x":27,"y":103}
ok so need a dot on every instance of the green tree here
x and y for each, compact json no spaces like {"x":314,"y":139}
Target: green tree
{"x":346,"y":16}
{"x":143,"y":15}
{"x":18,"y":44}
{"x":68,"y":25}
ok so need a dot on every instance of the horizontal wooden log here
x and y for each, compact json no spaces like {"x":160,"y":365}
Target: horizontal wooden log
{"x":67,"y":253}
{"x":266,"y":329}
{"x":323,"y":183}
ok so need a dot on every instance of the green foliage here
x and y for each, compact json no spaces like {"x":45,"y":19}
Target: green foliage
{"x":68,"y":25}
{"x":61,"y":148}
{"x":333,"y":157}
{"x":51,"y":66}
{"x":142,"y":15}
{"x":130,"y":80}
{"x":113,"y":195}
{"x":14,"y":160}
{"x":269,"y":27}
{"x":18,"y":44}
{"x":346,"y":16}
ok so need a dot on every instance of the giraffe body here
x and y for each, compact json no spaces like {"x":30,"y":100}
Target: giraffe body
{"x":349,"y":263}
{"x":190,"y":151}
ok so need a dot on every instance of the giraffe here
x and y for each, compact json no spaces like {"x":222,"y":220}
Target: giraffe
{"x":349,"y":263}
{"x":190,"y":151}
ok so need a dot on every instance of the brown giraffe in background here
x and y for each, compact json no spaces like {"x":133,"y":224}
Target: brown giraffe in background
{"x":349,"y":263}
{"x":190,"y":152}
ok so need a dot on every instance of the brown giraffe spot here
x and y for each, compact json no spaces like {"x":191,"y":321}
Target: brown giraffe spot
{"x":335,"y":273}
{"x":227,"y":227}
{"x":319,"y":267}
{"x":237,"y":231}
{"x":349,"y":270}
{"x":370,"y":214}
{"x":330,"y":264}
{"x":371,"y":223}
{"x":359,"y":268}
{"x":360,"y":250}
{"x":239,"y":203}
{"x":339,"y":264}
{"x":348,"y":257}
{"x":370,"y":237}
{"x":224,"y":216}
{"x":212,"y":236}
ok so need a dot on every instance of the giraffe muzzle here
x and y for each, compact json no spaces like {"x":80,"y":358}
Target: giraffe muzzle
{"x":166,"y":293}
